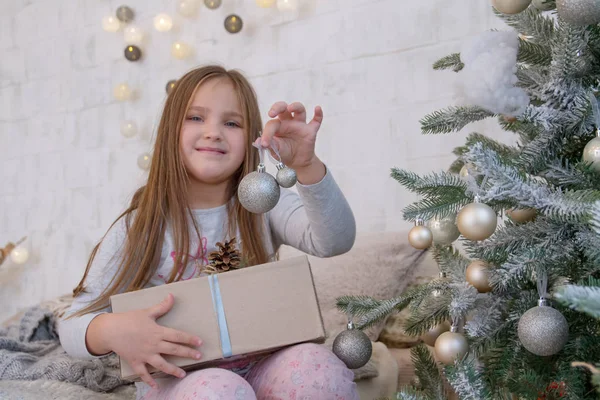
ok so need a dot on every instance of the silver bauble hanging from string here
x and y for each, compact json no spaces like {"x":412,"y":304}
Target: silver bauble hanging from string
{"x":353,"y":347}
{"x":258,"y":192}
{"x":543,"y":330}
{"x":579,"y":12}
{"x":286,"y":177}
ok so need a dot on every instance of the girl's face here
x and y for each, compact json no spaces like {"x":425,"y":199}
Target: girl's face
{"x":213,"y":138}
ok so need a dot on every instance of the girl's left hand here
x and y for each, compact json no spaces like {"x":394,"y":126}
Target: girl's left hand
{"x":293,"y":137}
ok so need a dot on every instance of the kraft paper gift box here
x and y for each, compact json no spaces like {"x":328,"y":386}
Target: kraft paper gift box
{"x":238,"y":313}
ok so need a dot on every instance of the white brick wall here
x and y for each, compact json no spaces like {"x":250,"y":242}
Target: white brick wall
{"x":67,"y":172}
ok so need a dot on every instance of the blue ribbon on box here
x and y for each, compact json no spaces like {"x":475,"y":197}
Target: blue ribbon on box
{"x":215,"y":291}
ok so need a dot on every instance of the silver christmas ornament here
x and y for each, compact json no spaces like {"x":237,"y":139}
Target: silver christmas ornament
{"x":579,"y":12}
{"x":543,"y":330}
{"x":444,"y":230}
{"x":258,"y":192}
{"x":353,"y":347}
{"x":591,"y":153}
{"x":286,"y":177}
{"x":125,"y":14}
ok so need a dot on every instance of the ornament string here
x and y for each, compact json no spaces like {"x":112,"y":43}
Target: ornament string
{"x":542,"y":285}
{"x":260,"y":154}
{"x":262,"y":149}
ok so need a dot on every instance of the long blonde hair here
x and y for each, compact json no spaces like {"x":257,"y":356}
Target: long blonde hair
{"x":164,"y":197}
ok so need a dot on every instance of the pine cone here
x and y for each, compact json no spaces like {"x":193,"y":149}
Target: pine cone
{"x":224,"y":259}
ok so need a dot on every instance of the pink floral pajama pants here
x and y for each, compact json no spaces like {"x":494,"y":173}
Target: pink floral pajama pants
{"x":302,"y":372}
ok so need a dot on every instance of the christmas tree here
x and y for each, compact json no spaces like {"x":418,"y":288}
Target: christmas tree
{"x":515,"y":313}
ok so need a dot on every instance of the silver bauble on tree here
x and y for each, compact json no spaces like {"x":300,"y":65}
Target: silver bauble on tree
{"x":444,"y":230}
{"x":543,"y":330}
{"x":579,"y":12}
{"x":286,"y":177}
{"x":258,"y":192}
{"x":477,"y":221}
{"x":353,"y":347}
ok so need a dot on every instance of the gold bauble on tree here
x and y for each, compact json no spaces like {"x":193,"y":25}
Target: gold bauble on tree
{"x":522,"y":215}
{"x":432,"y":334}
{"x":451,"y":346}
{"x":444,"y":230}
{"x":477,"y":274}
{"x":511,"y":6}
{"x":420,"y":237}
{"x":477,"y":221}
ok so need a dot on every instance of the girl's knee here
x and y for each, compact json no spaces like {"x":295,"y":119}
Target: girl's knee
{"x":215,"y":381}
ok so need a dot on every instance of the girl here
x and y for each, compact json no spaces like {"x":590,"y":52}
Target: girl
{"x":204,"y":147}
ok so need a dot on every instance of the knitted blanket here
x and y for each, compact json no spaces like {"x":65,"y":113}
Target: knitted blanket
{"x":30,"y":350}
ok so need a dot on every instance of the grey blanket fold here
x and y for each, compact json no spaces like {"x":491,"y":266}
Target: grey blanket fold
{"x":30,"y":350}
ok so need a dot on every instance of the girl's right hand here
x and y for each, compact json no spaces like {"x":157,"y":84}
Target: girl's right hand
{"x":136,"y":337}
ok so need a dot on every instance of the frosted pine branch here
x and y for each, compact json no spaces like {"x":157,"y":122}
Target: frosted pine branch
{"x":569,"y":52}
{"x":595,"y":214}
{"x":467,"y":381}
{"x":356,"y":305}
{"x":534,"y":54}
{"x":409,"y":393}
{"x":435,"y":207}
{"x":379,"y":313}
{"x":567,"y":175}
{"x":440,"y":184}
{"x":427,"y":371}
{"x":507,"y":182}
{"x":453,"y":119}
{"x":486,"y":318}
{"x":535,"y":26}
{"x":463,"y":299}
{"x":581,"y":298}
{"x":451,"y":261}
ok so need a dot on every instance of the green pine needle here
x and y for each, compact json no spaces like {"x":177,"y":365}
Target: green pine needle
{"x":452,"y":62}
{"x":452,"y":119}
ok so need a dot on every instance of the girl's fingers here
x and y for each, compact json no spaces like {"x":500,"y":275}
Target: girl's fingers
{"x":179,"y":350}
{"x":162,"y":365}
{"x":298,"y":110}
{"x":271,"y":128}
{"x":142,"y":371}
{"x":317,"y":119}
{"x":279,"y":109}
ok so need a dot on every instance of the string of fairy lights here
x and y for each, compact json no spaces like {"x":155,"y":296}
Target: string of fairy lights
{"x":123,"y":20}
